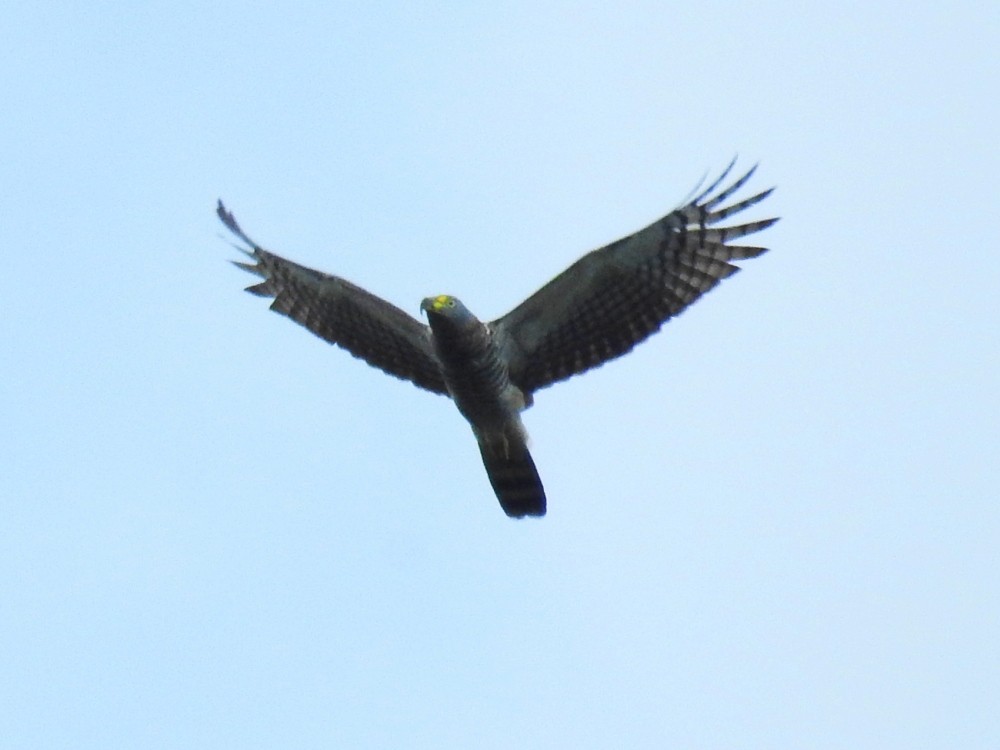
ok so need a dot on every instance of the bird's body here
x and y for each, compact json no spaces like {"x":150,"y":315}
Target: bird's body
{"x":596,"y":310}
{"x":479,"y":383}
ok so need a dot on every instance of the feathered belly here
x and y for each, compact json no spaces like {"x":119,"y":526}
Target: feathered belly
{"x":482,"y":390}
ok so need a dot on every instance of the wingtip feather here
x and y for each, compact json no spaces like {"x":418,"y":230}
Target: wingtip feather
{"x":262,"y":289}
{"x":253,"y":268}
{"x":711,"y":188}
{"x":229,"y":220}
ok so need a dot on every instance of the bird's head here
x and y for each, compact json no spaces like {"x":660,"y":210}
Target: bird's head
{"x":445,"y":312}
{"x":445,"y":306}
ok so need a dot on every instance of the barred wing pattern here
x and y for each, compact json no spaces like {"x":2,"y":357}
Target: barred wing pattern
{"x":344,"y":314}
{"x":617,"y":296}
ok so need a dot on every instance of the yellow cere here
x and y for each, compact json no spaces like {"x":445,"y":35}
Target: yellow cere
{"x":440,"y":301}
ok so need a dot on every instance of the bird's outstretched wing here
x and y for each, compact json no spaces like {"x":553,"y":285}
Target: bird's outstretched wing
{"x":616,"y":296}
{"x":344,"y":314}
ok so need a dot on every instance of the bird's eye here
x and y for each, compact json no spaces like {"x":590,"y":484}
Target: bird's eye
{"x":451,"y":303}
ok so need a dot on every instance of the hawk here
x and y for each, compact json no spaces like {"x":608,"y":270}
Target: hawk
{"x":596,"y":310}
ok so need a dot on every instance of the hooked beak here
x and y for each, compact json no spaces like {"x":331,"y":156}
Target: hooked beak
{"x":433,"y":304}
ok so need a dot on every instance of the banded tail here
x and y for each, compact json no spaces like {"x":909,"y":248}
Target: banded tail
{"x":515,"y":480}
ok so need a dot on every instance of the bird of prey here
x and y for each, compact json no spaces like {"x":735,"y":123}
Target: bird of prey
{"x":596,"y":310}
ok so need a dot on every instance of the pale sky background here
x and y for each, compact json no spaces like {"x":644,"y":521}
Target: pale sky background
{"x":774,"y":525}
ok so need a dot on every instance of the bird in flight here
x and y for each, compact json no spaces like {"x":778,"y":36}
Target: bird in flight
{"x":596,"y":310}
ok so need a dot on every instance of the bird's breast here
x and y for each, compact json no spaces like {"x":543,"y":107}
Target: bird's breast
{"x":477,"y":378}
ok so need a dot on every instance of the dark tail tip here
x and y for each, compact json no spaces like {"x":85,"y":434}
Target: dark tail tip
{"x":516,"y":483}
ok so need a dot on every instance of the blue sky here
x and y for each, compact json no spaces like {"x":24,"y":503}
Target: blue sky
{"x":775,"y":524}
